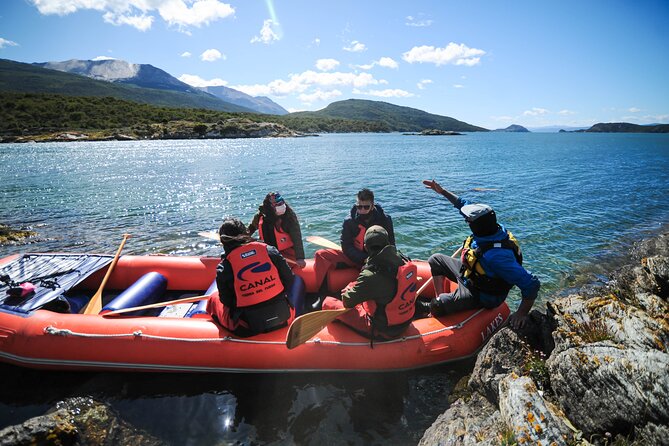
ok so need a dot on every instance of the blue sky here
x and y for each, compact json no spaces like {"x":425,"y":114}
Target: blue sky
{"x":488,"y":63}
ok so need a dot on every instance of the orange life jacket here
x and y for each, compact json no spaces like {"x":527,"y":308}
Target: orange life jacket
{"x":401,"y":308}
{"x":283,"y":240}
{"x":359,"y":240}
{"x":256,"y":278}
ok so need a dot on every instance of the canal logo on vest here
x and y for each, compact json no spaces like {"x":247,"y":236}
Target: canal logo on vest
{"x":255,"y":267}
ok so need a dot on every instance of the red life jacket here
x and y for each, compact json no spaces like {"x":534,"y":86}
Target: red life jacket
{"x":401,"y":308}
{"x":283,"y":240}
{"x":256,"y":278}
{"x":359,"y":240}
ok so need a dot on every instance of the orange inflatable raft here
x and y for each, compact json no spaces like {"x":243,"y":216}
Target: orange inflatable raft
{"x":56,"y":336}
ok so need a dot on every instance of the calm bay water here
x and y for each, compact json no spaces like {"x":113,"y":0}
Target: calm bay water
{"x":573,"y":200}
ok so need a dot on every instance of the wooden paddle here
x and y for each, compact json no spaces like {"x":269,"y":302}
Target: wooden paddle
{"x":321,"y":241}
{"x":185,"y":300}
{"x":94,"y":306}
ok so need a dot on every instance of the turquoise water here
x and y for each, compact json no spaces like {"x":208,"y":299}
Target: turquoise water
{"x":574,"y":200}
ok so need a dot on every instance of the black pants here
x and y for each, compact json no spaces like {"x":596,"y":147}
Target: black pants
{"x":459,"y":300}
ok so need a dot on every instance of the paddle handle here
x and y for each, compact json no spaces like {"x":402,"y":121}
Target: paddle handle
{"x":95,"y":304}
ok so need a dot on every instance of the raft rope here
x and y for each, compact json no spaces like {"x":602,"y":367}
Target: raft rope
{"x":51,"y":330}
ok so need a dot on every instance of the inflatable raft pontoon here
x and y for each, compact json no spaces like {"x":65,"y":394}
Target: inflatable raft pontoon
{"x":45,"y":330}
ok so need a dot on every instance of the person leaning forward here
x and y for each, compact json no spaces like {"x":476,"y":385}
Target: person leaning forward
{"x":364,"y":214}
{"x":384,"y":294}
{"x":489,"y":266}
{"x":253,"y":280}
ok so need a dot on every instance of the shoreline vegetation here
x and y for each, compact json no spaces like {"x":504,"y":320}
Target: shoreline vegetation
{"x":45,"y":117}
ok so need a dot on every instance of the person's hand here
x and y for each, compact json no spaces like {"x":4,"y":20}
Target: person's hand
{"x":517,"y":320}
{"x":432,"y":184}
{"x":301,"y":263}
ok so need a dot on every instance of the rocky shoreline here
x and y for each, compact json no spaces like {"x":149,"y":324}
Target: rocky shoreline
{"x":223,"y":129}
{"x":592,"y":369}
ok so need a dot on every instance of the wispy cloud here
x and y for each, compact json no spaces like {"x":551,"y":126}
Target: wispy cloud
{"x":386,"y":62}
{"x":212,"y":55}
{"x":327,"y":64}
{"x":566,"y":112}
{"x":453,"y":53}
{"x":319,"y":95}
{"x":136,"y":13}
{"x":197,"y":81}
{"x":5,"y":42}
{"x":268,"y":33}
{"x":186,"y":54}
{"x":387,"y":93}
{"x":104,"y":58}
{"x":417,"y":21}
{"x":300,"y":83}
{"x":355,"y":47}
{"x":458,"y":86}
{"x":422,"y":84}
{"x":634,"y":110}
{"x":536,"y":111}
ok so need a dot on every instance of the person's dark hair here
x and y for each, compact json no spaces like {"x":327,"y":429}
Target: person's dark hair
{"x":233,"y":233}
{"x":270,"y":217}
{"x":485,"y":225}
{"x":366,"y":195}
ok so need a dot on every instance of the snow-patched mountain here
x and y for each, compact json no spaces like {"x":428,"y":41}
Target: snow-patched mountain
{"x":261,"y":104}
{"x":148,"y":76}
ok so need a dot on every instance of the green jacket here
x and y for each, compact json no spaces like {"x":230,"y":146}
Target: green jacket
{"x":377,"y":281}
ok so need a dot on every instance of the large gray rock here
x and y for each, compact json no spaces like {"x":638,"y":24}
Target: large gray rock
{"x":532,"y":419}
{"x":465,"y":423}
{"x":54,"y":428}
{"x":603,"y":388}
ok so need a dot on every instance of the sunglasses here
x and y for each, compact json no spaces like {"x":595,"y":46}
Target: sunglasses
{"x":363,"y":206}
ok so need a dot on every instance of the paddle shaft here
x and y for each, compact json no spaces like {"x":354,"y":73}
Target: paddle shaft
{"x":94,"y":306}
{"x":185,"y":300}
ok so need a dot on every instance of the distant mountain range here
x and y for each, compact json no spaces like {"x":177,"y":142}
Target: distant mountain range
{"x":626,"y":127}
{"x":148,"y":76}
{"x":391,"y":117}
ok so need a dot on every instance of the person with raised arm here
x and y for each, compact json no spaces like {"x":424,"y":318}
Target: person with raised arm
{"x":490,"y":264}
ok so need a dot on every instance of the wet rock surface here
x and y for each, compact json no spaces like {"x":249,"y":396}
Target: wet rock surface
{"x":594,"y":369}
{"x":76,"y":421}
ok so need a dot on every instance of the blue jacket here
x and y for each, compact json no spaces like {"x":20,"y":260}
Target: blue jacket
{"x":502,"y":263}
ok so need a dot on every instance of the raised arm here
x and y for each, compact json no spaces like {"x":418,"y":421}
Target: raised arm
{"x":432,"y":184}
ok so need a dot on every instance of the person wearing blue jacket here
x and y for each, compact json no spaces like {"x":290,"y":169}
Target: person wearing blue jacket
{"x":489,"y":266}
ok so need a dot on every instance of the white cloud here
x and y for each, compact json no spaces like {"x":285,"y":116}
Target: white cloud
{"x":415,"y":21}
{"x":141,"y":22}
{"x":197,"y":81}
{"x":536,"y":112}
{"x":385,"y":62}
{"x":458,"y":86}
{"x":566,"y":112}
{"x":316,"y":41}
{"x":453,"y":53}
{"x":634,"y":110}
{"x":186,"y":54}
{"x":422,"y":83}
{"x":211,"y":55}
{"x":5,"y":42}
{"x":268,"y":32}
{"x":104,"y":58}
{"x":180,"y":13}
{"x":355,"y":47}
{"x":319,"y":95}
{"x":388,"y":93}
{"x":327,"y":64}
{"x":299,"y":83}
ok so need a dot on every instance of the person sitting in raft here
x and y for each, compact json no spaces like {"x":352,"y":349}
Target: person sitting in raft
{"x":489,"y":266}
{"x":277,"y":225}
{"x":253,"y":280}
{"x":384,"y":294}
{"x":364,"y":214}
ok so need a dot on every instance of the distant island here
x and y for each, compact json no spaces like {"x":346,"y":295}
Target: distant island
{"x":625,"y":127}
{"x":514,"y":128}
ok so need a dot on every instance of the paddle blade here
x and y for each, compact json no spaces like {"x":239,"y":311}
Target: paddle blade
{"x":308,"y":325}
{"x":321,"y":241}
